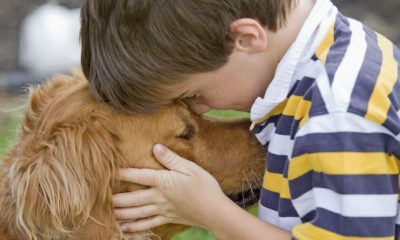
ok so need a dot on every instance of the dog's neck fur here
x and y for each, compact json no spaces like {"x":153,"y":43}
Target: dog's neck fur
{"x":101,"y":224}
{"x":10,"y":230}
{"x":8,"y":218}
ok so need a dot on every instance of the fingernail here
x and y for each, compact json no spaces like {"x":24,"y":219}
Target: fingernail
{"x":159,"y":149}
{"x":123,"y":228}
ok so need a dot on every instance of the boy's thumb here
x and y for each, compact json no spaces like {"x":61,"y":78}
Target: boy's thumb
{"x":170,"y":159}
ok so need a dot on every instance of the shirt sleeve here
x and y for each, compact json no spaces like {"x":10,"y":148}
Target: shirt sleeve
{"x":343,"y":178}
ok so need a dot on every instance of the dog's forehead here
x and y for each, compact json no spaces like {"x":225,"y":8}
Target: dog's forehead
{"x":169,"y":119}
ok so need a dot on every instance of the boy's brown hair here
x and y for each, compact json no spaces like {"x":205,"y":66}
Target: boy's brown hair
{"x":135,"y":51}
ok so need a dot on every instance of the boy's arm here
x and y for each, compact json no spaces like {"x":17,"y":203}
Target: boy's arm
{"x":343,"y":177}
{"x":230,"y":222}
{"x":174,"y":198}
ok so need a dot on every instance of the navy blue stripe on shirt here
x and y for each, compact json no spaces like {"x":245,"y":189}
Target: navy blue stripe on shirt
{"x":354,"y":184}
{"x":309,"y":216}
{"x":396,"y":87}
{"x":286,"y":171}
{"x":394,"y":96}
{"x":396,"y":53}
{"x":345,"y":184}
{"x":304,"y":86}
{"x":301,"y":185}
{"x":354,"y":226}
{"x":287,"y":125}
{"x":272,"y":201}
{"x":392,"y":119}
{"x":343,"y":142}
{"x":318,"y":106}
{"x":357,"y":184}
{"x":309,"y":95}
{"x":276,"y":163}
{"x":295,"y":128}
{"x":397,"y":232}
{"x":291,"y":91}
{"x":338,"y":50}
{"x":269,"y":199}
{"x":260,"y":127}
{"x":367,"y":76}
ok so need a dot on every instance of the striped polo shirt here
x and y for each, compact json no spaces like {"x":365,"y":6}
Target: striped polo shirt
{"x":330,"y":123}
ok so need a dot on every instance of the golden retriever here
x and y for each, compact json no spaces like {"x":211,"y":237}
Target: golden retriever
{"x":58,"y":179}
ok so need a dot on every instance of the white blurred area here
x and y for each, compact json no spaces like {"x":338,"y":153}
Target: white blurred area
{"x":49,"y":40}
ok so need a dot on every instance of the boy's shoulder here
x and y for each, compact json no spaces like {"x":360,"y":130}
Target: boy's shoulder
{"x":361,"y":73}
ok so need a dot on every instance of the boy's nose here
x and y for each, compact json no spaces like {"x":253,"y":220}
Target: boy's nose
{"x":200,"y":109}
{"x":196,"y":107}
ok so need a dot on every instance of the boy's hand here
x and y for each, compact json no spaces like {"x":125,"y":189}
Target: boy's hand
{"x":184,"y":194}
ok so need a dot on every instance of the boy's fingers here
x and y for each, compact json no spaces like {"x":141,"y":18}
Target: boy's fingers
{"x":137,"y":212}
{"x":146,"y":177}
{"x":144,"y":224}
{"x":134,"y":199}
{"x":170,"y":159}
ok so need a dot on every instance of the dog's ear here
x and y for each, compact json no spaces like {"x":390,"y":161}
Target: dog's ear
{"x":58,"y":177}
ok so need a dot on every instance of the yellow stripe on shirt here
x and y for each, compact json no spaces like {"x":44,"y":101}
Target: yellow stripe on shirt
{"x":323,"y":50}
{"x":276,"y":111}
{"x":307,"y":231}
{"x":275,"y":182}
{"x":297,"y":107}
{"x":343,"y":163}
{"x":379,"y":102}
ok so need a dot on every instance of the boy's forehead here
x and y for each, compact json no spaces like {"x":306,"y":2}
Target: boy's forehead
{"x":186,"y":88}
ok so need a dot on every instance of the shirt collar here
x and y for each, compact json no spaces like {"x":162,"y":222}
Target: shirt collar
{"x":310,"y":33}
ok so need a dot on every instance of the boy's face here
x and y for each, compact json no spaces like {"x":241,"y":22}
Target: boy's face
{"x":246,"y":75}
{"x":234,"y":86}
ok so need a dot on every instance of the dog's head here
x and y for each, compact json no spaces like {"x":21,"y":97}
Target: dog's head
{"x":62,"y":171}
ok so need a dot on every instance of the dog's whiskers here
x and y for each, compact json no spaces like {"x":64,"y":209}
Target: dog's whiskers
{"x":243,"y":202}
{"x":257,"y":179}
{"x":251,"y":188}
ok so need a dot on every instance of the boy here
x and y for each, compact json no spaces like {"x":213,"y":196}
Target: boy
{"x":323,"y":91}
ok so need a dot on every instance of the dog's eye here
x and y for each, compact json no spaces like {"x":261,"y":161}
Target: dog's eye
{"x":188,"y":133}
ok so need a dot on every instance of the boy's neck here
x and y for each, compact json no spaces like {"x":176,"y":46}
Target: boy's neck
{"x":282,"y":39}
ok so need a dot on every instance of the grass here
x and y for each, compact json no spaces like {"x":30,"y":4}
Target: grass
{"x":8,"y":131}
{"x":9,"y":124}
{"x":202,"y":234}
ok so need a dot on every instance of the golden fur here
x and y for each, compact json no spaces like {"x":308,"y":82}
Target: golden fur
{"x":58,"y":179}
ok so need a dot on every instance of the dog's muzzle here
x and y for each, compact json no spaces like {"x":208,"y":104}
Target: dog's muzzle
{"x":247,"y":198}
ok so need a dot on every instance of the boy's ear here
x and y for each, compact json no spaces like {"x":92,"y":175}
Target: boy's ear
{"x":249,"y":35}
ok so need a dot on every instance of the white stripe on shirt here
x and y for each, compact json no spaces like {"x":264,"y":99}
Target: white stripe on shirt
{"x":350,"y":67}
{"x":281,"y":145}
{"x":340,"y":122}
{"x":272,"y":217}
{"x":265,"y":135}
{"x":347,"y":205}
{"x":356,"y":205}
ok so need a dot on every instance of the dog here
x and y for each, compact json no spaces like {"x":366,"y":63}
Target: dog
{"x":58,"y":179}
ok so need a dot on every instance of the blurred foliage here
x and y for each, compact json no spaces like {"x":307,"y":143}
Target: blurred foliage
{"x":228,"y":114}
{"x":9,"y":125}
{"x":202,"y":234}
